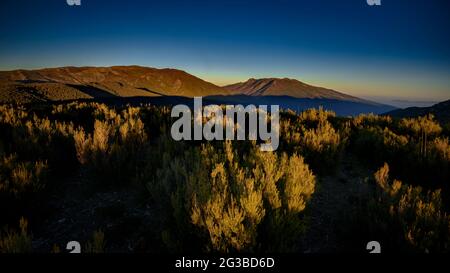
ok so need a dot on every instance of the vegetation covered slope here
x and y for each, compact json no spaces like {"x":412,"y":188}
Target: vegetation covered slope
{"x":113,"y":179}
{"x":68,"y":83}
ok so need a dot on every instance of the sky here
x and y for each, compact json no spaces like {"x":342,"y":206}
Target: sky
{"x":397,"y":52}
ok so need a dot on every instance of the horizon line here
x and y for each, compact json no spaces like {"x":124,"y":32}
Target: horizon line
{"x":379,"y":99}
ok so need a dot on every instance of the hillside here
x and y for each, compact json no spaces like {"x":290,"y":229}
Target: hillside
{"x":441,"y":111}
{"x":99,"y":82}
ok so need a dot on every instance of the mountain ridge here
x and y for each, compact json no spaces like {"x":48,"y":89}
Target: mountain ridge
{"x":120,"y":82}
{"x":124,"y":81}
{"x":440,"y":110}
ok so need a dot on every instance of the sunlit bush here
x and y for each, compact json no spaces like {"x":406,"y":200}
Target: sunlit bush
{"x":113,"y":149}
{"x":18,"y":178}
{"x":322,"y":147}
{"x":418,"y":213}
{"x":312,"y":135}
{"x":230,"y":198}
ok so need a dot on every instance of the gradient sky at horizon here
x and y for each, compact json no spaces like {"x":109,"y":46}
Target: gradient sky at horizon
{"x":399,"y":50}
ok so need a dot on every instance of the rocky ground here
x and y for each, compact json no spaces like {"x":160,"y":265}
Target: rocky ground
{"x":335,"y":196}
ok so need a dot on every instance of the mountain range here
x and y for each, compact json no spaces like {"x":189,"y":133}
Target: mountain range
{"x":136,"y":83}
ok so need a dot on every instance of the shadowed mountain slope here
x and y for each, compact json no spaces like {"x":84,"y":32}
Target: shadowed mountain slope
{"x":441,"y":111}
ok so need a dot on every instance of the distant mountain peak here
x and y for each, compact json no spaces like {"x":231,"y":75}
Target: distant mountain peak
{"x":285,"y":87}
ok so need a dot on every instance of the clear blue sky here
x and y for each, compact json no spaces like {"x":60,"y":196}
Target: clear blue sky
{"x":399,"y":49}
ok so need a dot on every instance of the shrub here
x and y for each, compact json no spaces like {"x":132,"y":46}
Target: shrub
{"x":21,"y":178}
{"x":22,"y":185}
{"x":419,"y":215}
{"x":421,"y":129}
{"x":322,"y":147}
{"x":376,"y":145}
{"x":16,"y":242}
{"x":313,"y":136}
{"x":438,"y":159}
{"x":115,"y":148}
{"x":97,"y":244}
{"x":231,"y":200}
{"x":312,"y":117}
{"x":33,"y":138}
{"x":372,"y":120}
